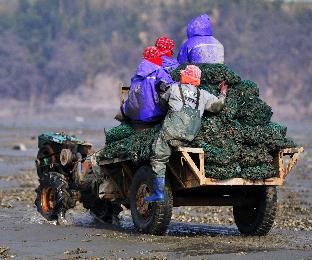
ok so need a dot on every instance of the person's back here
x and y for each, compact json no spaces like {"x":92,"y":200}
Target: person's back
{"x":201,"y":46}
{"x":143,"y":98}
{"x":186,"y":106}
{"x":192,"y":95}
{"x":142,"y":104}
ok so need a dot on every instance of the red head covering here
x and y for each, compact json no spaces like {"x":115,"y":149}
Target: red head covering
{"x":191,"y":75}
{"x":152,"y":54}
{"x":165,"y":45}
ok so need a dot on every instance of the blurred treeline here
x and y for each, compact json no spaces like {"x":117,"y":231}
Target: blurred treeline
{"x":49,"y":47}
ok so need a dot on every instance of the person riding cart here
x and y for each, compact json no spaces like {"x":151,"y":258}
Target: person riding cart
{"x":201,"y":46}
{"x":165,"y":46}
{"x":186,"y":107}
{"x":142,"y":105}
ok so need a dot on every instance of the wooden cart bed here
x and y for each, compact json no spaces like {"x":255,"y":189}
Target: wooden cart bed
{"x":187,"y":165}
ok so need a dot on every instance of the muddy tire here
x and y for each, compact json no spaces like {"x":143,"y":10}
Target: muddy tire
{"x":257,"y":219}
{"x":104,"y":210}
{"x":151,"y":218}
{"x":53,"y":196}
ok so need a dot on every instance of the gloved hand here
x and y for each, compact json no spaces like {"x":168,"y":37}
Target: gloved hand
{"x":121,"y":117}
{"x":162,"y":87}
{"x":223,"y":88}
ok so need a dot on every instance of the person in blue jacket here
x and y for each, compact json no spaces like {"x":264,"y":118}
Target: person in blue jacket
{"x":201,"y":46}
{"x":143,"y":102}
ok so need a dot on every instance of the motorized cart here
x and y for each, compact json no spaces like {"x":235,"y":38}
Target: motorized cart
{"x":69,"y":172}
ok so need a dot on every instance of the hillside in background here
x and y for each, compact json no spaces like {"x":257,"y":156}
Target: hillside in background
{"x":50,"y":49}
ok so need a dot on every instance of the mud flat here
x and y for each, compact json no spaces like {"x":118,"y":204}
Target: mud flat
{"x":195,"y":232}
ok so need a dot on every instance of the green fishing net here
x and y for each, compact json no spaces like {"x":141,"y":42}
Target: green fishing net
{"x":272,"y":135}
{"x":224,"y":152}
{"x":261,"y":171}
{"x":254,"y":112}
{"x":119,"y":132}
{"x":253,"y":155}
{"x":222,"y":172}
{"x":137,"y":147}
{"x":246,"y":89}
{"x":213,"y":130}
{"x":239,"y":141}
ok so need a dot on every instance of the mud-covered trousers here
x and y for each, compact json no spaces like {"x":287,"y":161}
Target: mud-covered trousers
{"x":179,"y":127}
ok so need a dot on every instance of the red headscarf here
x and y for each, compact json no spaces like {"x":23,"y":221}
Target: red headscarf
{"x":152,"y":54}
{"x":165,"y":46}
{"x":191,"y":75}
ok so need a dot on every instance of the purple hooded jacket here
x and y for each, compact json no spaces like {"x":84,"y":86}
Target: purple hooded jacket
{"x":169,"y":64}
{"x":143,"y":103}
{"x":201,"y":46}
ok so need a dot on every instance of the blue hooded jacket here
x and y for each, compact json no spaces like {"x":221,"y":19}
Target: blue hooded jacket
{"x":201,"y":46}
{"x":169,"y":64}
{"x":143,"y":103}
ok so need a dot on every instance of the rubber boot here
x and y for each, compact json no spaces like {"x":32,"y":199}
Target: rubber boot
{"x":159,"y":187}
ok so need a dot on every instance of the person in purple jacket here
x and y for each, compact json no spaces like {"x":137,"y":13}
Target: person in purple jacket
{"x":201,"y":46}
{"x":143,"y":103}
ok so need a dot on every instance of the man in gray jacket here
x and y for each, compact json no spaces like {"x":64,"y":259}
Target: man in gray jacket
{"x":186,"y":104}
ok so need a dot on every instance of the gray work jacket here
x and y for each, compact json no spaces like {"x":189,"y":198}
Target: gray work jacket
{"x":207,"y":101}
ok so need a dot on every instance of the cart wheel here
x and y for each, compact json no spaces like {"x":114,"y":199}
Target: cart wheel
{"x":53,"y":196}
{"x":258,"y":219}
{"x":104,"y":210}
{"x":152,"y":218}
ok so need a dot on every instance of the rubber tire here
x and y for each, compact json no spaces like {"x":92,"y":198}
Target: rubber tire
{"x":62,"y":195}
{"x":105,"y":210}
{"x":257,"y":220}
{"x":157,"y":223}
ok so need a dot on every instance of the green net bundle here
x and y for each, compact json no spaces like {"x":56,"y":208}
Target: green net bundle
{"x":261,"y":171}
{"x":119,"y":132}
{"x":247,"y":89}
{"x":214,"y":131}
{"x":254,"y":155}
{"x":272,"y":135}
{"x":239,"y":141}
{"x":224,"y":152}
{"x":222,"y":172}
{"x":254,"y":112}
{"x":231,"y":107}
{"x":136,"y":147}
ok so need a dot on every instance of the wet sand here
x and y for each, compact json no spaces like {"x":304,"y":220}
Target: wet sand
{"x":195,"y":232}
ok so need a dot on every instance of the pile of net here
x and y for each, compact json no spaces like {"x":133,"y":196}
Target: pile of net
{"x":239,"y":141}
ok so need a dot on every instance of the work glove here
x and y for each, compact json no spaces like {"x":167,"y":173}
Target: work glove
{"x":223,"y":88}
{"x":162,"y":87}
{"x":121,"y":117}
